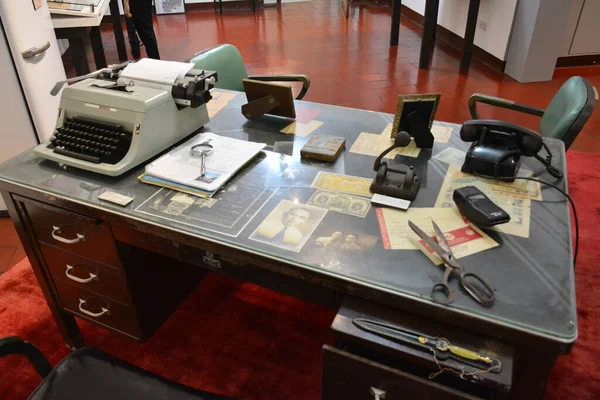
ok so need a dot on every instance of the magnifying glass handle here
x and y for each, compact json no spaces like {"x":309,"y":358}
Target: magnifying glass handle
{"x":202,"y":165}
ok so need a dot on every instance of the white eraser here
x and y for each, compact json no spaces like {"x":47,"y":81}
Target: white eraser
{"x":390,"y":201}
{"x":116,"y":198}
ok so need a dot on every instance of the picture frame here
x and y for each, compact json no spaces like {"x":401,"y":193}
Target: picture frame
{"x":424,"y":104}
{"x":169,"y":6}
{"x":37,"y":4}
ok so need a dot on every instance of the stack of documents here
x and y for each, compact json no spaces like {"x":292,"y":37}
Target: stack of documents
{"x":180,"y":170}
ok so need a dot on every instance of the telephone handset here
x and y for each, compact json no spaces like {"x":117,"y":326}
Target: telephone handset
{"x":498,"y":147}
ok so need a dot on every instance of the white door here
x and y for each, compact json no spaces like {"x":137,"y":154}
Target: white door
{"x":18,"y":135}
{"x":30,"y":29}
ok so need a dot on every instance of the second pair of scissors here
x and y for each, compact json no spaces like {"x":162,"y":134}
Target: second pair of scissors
{"x":475,"y":286}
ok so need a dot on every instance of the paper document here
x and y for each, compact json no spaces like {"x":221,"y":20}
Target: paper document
{"x":165,"y":72}
{"x":229,"y":156}
{"x":372,"y":144}
{"x":518,"y":208}
{"x":464,"y":238}
{"x":451,"y":156}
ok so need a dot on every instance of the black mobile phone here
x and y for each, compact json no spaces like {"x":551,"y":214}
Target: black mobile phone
{"x":478,"y":208}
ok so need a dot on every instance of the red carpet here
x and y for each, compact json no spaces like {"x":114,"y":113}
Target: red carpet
{"x":241,"y":340}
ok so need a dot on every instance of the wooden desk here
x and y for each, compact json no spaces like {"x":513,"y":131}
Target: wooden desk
{"x":127,"y":268}
{"x":430,"y":28}
{"x":75,"y":29}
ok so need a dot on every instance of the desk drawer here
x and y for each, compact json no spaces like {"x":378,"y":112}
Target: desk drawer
{"x":346,"y":376}
{"x":98,"y":309}
{"x":86,"y":274}
{"x":73,"y":232}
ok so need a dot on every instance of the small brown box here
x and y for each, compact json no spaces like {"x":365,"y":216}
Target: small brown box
{"x":323,"y":147}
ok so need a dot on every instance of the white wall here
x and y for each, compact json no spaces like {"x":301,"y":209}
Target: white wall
{"x":494,"y":24}
{"x":581,"y":36}
{"x":571,"y":26}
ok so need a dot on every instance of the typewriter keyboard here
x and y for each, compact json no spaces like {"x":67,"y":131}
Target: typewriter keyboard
{"x":91,"y":141}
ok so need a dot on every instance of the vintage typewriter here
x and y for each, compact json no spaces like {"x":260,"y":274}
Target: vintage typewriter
{"x":108,"y":124}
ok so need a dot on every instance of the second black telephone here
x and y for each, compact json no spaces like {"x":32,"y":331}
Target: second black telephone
{"x":498,"y":147}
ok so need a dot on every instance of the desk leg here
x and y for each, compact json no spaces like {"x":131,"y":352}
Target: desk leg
{"x":470,"y":33}
{"x":97,"y":47}
{"x":395,"y":28}
{"x":532,"y":375}
{"x":429,"y":31}
{"x":65,"y":323}
{"x":79,"y":56}
{"x":115,"y":16}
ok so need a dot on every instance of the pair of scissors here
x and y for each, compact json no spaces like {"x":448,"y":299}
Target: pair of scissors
{"x":474,"y":285}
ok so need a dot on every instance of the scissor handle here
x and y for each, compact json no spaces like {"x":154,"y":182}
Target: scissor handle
{"x":441,"y":293}
{"x":477,"y":288}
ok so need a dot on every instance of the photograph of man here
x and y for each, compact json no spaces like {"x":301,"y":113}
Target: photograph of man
{"x":289,"y":225}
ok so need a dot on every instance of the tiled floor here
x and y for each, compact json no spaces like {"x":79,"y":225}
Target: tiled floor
{"x":349,"y":61}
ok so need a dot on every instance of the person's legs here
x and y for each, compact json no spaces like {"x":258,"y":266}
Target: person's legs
{"x":133,"y":38}
{"x":141,"y":14}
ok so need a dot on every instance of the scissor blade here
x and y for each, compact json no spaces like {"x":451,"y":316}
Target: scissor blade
{"x":427,"y":239}
{"x":441,"y":238}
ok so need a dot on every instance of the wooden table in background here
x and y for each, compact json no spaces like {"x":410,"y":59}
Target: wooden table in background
{"x":430,"y":28}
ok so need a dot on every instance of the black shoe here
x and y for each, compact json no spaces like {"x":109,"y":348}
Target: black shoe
{"x":135,"y":51}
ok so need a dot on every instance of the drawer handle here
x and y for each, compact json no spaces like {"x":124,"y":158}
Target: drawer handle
{"x":92,"y":314}
{"x":56,"y":230}
{"x":377,"y":393}
{"x":76,"y":279}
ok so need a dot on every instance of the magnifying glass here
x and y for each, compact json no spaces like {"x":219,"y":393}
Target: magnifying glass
{"x":202,"y":150}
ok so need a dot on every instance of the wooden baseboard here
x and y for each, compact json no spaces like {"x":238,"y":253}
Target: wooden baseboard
{"x":456,"y":41}
{"x":578,"y":61}
{"x":227,"y":5}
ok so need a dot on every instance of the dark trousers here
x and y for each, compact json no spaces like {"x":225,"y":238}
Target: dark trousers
{"x":141,"y":15}
{"x":133,"y":39}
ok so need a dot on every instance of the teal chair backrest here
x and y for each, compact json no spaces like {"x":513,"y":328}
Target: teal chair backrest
{"x":569,"y":109}
{"x":227,"y":61}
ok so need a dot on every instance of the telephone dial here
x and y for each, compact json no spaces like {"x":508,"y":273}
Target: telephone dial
{"x":498,"y":148}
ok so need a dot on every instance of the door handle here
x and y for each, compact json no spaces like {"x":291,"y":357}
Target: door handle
{"x":378,"y":394}
{"x":35,"y":51}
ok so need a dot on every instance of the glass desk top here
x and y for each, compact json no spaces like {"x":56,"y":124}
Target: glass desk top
{"x":533,"y":277}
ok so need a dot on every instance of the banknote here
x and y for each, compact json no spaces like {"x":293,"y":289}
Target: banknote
{"x":342,"y":183}
{"x":341,"y":202}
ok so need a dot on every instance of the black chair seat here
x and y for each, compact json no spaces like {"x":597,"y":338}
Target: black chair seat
{"x":91,"y":374}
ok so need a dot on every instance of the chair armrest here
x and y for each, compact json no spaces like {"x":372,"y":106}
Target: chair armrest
{"x":16,"y":345}
{"x":502,"y":103}
{"x":286,"y":78}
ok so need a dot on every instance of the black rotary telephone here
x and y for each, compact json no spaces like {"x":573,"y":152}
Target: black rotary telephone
{"x":498,"y":147}
{"x":395,"y":180}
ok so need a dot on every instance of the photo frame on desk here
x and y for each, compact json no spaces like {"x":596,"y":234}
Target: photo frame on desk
{"x":268,"y":98}
{"x":169,"y":6}
{"x":415,"y":114}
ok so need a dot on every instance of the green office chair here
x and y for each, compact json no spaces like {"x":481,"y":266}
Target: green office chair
{"x":565,"y":116}
{"x":227,"y":61}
